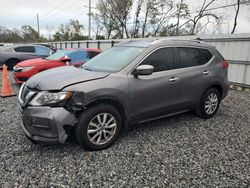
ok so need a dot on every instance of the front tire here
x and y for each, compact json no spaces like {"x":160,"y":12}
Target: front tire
{"x":98,"y":127}
{"x":209,"y":104}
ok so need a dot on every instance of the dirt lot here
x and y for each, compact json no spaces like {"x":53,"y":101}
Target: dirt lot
{"x":179,"y":151}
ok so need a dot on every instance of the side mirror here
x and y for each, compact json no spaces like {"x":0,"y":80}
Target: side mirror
{"x":65,"y":59}
{"x":143,"y":70}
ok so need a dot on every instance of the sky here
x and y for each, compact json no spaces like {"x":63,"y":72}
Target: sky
{"x":15,"y":13}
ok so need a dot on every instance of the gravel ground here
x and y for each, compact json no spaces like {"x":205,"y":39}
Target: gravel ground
{"x":180,"y":151}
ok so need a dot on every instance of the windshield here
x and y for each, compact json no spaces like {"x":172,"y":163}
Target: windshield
{"x":59,"y":54}
{"x":114,"y":59}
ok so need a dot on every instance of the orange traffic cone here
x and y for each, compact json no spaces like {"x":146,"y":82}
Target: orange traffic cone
{"x":7,"y":90}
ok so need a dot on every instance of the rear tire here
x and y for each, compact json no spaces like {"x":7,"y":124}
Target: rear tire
{"x":11,"y":63}
{"x":209,"y":104}
{"x":98,"y":127}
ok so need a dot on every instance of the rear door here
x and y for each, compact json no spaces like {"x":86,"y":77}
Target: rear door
{"x":156,"y":94}
{"x":25,"y":52}
{"x":195,"y":73}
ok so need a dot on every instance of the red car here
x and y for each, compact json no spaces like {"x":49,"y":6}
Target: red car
{"x":76,"y":57}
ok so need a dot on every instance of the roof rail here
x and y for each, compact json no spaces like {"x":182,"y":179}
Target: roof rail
{"x":197,"y":40}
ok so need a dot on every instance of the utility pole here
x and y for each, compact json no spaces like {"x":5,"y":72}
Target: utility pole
{"x":178,"y":19}
{"x":38,"y":27}
{"x":89,"y":19}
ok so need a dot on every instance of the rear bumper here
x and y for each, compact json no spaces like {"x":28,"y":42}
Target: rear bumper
{"x":46,"y":124}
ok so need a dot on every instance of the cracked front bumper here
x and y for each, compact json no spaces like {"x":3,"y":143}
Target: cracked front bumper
{"x":46,"y":124}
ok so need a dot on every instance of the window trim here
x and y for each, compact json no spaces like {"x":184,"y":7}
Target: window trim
{"x":204,"y":48}
{"x":158,"y":48}
{"x":24,"y":52}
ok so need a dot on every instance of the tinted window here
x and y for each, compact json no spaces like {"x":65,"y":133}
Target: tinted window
{"x":92,"y":54}
{"x":29,"y":49}
{"x":80,"y":56}
{"x":205,"y":55}
{"x":190,"y":57}
{"x":42,"y":51}
{"x":161,"y":60}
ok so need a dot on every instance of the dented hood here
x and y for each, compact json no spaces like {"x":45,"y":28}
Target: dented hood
{"x":58,"y":78}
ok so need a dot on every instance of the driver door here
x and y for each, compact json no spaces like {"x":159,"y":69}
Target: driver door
{"x":156,"y":94}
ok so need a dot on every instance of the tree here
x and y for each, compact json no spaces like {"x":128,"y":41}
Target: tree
{"x":194,"y":23}
{"x":136,"y":27}
{"x":105,"y":18}
{"x":70,"y":31}
{"x":236,"y":16}
{"x":29,"y":34}
{"x":114,"y":14}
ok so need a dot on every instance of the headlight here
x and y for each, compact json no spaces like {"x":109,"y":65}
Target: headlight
{"x":46,"y":98}
{"x":24,"y":69}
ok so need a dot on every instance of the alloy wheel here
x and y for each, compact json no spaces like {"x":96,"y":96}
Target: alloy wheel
{"x":102,"y":128}
{"x":211,"y":103}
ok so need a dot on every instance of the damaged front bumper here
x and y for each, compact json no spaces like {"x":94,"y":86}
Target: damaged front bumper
{"x":46,"y":124}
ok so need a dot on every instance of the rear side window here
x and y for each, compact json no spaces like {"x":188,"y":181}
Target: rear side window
{"x":92,"y":54}
{"x":40,"y":50}
{"x":190,"y":57}
{"x":28,"y":49}
{"x":162,"y":60}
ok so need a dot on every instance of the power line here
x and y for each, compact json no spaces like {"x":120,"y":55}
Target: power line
{"x":53,"y":9}
{"x":224,"y":6}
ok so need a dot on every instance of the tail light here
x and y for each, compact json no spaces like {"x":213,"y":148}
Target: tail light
{"x":225,"y":64}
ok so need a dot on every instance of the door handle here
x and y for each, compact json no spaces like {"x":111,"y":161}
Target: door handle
{"x":173,"y":79}
{"x":205,"y":72}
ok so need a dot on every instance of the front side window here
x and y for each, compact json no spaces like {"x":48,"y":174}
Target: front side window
{"x":92,"y":54}
{"x":114,"y":59}
{"x":80,"y":56}
{"x":27,"y":49}
{"x":162,"y":60}
{"x":59,"y":54}
{"x":42,"y":51}
{"x":190,"y":57}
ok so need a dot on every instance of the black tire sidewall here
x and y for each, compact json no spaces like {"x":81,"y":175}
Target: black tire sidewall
{"x":86,"y":117}
{"x":204,"y":114}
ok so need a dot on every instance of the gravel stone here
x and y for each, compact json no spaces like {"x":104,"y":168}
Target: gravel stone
{"x":179,"y":151}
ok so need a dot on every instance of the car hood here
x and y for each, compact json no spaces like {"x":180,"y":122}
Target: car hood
{"x":58,"y":78}
{"x":32,"y":62}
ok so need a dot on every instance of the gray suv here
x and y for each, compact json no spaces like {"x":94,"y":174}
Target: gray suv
{"x":133,"y":82}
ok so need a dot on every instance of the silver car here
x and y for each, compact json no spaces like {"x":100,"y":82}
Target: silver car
{"x":133,"y":82}
{"x":13,"y":55}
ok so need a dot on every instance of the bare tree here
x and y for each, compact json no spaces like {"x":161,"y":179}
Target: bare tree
{"x":147,"y":10}
{"x":236,"y":16}
{"x":161,"y":13}
{"x":203,"y":12}
{"x":49,"y":29}
{"x":136,"y":27}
